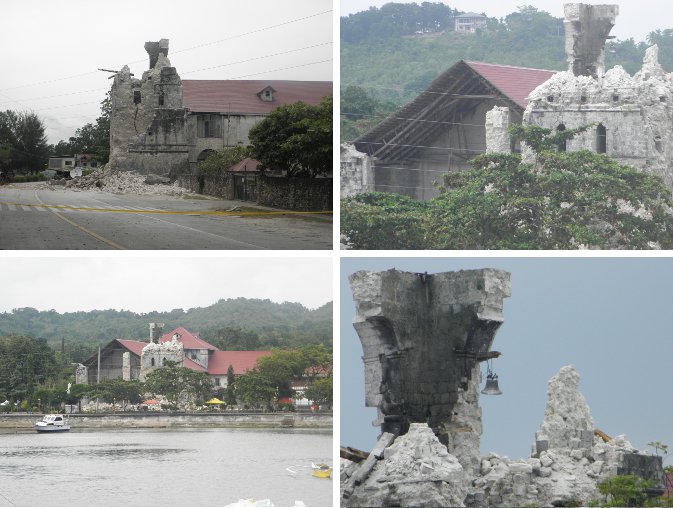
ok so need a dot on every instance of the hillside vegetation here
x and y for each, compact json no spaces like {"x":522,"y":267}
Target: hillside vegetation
{"x":238,"y":323}
{"x":392,"y":53}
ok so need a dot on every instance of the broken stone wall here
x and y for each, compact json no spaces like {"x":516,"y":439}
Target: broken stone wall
{"x":422,"y":336}
{"x":631,"y":116}
{"x":154,"y":355}
{"x":497,"y":124}
{"x":148,"y":131}
{"x":356,"y":174}
{"x":568,"y":460}
{"x":587,"y":27}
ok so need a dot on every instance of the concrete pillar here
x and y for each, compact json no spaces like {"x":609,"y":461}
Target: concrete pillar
{"x":497,"y":134}
{"x":357,"y":172}
{"x":423,"y":337}
{"x":126,"y":366}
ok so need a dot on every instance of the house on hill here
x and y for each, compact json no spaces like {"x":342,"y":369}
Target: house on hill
{"x":133,"y":359}
{"x":469,"y":22}
{"x":440,"y":130}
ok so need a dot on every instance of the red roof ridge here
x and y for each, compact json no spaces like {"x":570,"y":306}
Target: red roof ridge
{"x":470,"y":62}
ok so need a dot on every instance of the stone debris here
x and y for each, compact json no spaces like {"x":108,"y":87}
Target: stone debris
{"x":107,"y":179}
{"x":567,"y":464}
{"x":568,"y":460}
{"x":416,"y":470}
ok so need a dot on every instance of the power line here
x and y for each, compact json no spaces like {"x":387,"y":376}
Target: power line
{"x":183,"y":73}
{"x":270,"y":27}
{"x":258,"y":58}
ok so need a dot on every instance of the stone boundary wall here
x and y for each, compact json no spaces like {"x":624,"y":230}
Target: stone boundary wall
{"x":220,"y":185}
{"x":294,"y":193}
{"x":25,"y":421}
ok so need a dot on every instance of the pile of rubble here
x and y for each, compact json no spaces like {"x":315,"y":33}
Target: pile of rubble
{"x":127,"y":182}
{"x":570,"y":458}
{"x":416,"y":470}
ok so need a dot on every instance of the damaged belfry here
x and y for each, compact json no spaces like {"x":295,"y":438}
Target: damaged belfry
{"x":423,"y":337}
{"x":631,"y":116}
{"x":148,"y":124}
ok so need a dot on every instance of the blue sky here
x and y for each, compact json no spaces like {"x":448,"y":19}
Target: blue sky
{"x":609,"y":317}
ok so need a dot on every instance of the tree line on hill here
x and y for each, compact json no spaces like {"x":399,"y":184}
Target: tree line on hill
{"x":232,"y":324}
{"x":388,"y":57}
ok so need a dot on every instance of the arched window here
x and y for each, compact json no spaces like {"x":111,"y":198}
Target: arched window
{"x":561,"y":147}
{"x":152,"y":362}
{"x":601,"y":139}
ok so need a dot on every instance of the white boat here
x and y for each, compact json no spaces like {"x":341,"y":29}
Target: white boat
{"x":52,"y":423}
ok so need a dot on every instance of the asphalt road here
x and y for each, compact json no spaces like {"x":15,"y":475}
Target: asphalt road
{"x":61,"y":219}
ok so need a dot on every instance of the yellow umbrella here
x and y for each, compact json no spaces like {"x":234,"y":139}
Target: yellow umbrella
{"x":214,"y":400}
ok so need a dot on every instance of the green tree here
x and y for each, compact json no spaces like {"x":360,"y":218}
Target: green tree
{"x":25,"y":363}
{"x":22,"y":136}
{"x":222,"y":160}
{"x":626,"y":490}
{"x":182,"y":387}
{"x":118,"y":391}
{"x":254,"y":389}
{"x":91,"y":138}
{"x":280,"y":368}
{"x":295,"y":138}
{"x":378,"y":220}
{"x":658,"y":445}
{"x":230,"y":395}
{"x":321,"y":391}
{"x":567,"y":200}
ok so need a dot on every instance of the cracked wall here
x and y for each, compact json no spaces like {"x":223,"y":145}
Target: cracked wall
{"x":148,"y":125}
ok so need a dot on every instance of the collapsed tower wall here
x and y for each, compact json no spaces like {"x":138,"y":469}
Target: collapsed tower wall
{"x":423,"y":336}
{"x":632,"y":116}
{"x":148,"y":125}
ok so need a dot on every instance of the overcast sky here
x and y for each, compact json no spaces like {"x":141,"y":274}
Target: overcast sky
{"x":610,"y":318}
{"x":159,"y":283}
{"x":44,"y":42}
{"x":636,"y":18}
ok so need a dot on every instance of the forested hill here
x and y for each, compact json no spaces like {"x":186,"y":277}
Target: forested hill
{"x":390,"y":54}
{"x":239,"y":323}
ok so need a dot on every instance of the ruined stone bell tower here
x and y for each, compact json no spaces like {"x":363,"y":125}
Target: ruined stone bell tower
{"x":148,"y":125}
{"x":423,"y":336}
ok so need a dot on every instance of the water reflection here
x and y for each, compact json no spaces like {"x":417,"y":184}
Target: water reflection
{"x":151,"y":468}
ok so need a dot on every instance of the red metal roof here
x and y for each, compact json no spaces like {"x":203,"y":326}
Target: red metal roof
{"x":191,"y":364}
{"x":515,"y":82}
{"x":247,"y":165}
{"x":240,"y":96}
{"x":241,"y":361}
{"x":189,"y":340}
{"x":135,"y":346}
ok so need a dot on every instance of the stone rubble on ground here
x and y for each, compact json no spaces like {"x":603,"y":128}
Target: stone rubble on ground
{"x":126,"y":182}
{"x":567,"y":464}
{"x":416,"y":470}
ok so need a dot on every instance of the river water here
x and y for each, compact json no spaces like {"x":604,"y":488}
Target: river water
{"x":173,"y":467}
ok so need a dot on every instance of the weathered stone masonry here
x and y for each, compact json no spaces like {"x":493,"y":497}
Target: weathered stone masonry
{"x":148,"y":125}
{"x":423,"y":336}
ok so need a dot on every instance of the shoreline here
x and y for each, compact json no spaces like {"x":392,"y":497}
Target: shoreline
{"x":153,"y":420}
